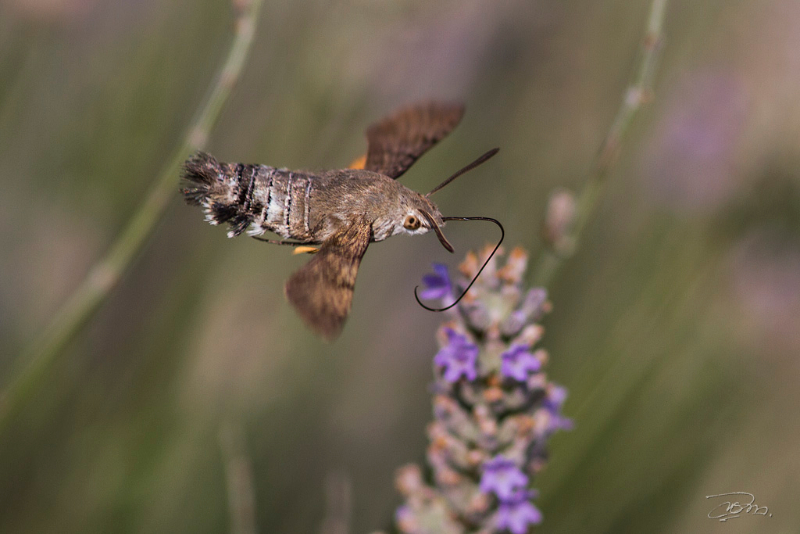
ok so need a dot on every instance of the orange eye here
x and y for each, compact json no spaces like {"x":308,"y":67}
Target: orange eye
{"x":411,"y":222}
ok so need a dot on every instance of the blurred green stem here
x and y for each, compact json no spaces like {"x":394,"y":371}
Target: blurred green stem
{"x":639,"y":92}
{"x":104,"y":275}
{"x":239,"y":478}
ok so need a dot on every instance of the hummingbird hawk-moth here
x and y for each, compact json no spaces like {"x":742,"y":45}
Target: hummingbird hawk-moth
{"x":342,"y":211}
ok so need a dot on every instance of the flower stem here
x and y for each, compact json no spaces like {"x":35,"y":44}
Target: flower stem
{"x":41,"y":354}
{"x":637,"y":93}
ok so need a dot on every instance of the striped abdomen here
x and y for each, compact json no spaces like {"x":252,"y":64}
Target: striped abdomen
{"x":257,"y":197}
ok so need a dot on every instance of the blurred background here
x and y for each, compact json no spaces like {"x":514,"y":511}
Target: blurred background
{"x":676,"y":328}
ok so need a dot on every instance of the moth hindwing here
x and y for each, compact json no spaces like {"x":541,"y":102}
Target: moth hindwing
{"x":322,"y":290}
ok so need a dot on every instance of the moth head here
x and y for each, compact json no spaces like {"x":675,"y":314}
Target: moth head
{"x":434,"y":218}
{"x":416,"y":215}
{"x":421,"y":217}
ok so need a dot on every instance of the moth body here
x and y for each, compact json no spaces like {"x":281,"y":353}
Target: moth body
{"x":303,"y":206}
{"x":343,"y":210}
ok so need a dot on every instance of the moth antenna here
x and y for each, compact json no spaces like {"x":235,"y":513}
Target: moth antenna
{"x":469,"y":167}
{"x":502,"y":236}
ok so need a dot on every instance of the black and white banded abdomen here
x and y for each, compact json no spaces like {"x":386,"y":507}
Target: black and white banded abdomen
{"x":252,"y":198}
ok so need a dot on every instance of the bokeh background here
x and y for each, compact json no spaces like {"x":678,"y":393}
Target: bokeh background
{"x":676,"y":328}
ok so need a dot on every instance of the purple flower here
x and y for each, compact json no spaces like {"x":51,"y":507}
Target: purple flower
{"x":559,"y":422}
{"x":518,"y":514}
{"x":458,"y":357}
{"x":517,"y":362}
{"x":556,"y":395}
{"x":437,"y":285}
{"x":533,"y":305}
{"x":502,"y":477}
{"x":553,"y":400}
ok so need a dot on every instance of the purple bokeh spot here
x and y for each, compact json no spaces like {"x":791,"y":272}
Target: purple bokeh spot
{"x":691,"y":159}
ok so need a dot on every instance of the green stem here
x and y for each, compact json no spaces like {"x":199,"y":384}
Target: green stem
{"x":40,"y":355}
{"x":239,"y":477}
{"x":638,"y":92}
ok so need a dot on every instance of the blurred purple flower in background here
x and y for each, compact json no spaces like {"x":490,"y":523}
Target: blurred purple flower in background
{"x":764,"y":271}
{"x":692,"y":158}
{"x":493,"y":407}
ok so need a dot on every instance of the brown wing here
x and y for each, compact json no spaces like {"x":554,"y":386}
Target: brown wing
{"x":399,"y":140}
{"x":322,"y":290}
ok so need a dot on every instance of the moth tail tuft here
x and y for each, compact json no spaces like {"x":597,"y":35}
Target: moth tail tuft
{"x":219,"y":212}
{"x":202,"y":175}
{"x":239,"y":224}
{"x":220,"y":190}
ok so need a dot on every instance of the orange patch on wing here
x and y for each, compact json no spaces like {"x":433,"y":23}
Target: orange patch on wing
{"x":358,"y":163}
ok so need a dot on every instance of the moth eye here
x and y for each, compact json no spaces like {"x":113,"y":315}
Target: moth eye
{"x":411,"y":222}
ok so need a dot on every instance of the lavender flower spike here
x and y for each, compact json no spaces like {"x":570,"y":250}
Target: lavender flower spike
{"x":494,"y":408}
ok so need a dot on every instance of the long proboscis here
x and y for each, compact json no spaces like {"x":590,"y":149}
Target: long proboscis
{"x":468,"y":168}
{"x":442,"y":239}
{"x":502,"y":236}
